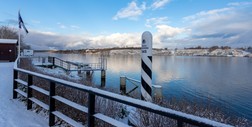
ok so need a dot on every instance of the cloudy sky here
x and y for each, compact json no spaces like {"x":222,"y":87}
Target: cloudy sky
{"x":80,"y":24}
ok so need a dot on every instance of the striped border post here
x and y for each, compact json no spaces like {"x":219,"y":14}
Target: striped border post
{"x":146,"y":61}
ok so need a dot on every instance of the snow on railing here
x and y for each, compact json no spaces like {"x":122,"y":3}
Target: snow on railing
{"x":92,"y":94}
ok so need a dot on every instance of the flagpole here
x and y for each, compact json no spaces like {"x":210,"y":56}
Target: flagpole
{"x":19,"y":34}
{"x":20,"y":22}
{"x":19,"y":43}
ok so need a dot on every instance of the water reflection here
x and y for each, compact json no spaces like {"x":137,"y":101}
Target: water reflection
{"x":122,"y":63}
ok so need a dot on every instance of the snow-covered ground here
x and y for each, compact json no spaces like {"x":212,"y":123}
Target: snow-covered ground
{"x":13,"y":113}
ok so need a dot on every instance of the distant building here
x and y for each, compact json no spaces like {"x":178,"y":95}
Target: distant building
{"x":8,"y":49}
{"x":28,"y":52}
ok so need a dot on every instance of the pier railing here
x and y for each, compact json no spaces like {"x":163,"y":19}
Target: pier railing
{"x":68,"y":65}
{"x":93,"y":93}
{"x":71,"y":66}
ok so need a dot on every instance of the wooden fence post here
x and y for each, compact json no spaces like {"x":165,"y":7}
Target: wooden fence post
{"x":29,"y":92}
{"x":123,"y":85}
{"x":103,"y":82}
{"x":103,"y":74}
{"x":51,"y":104}
{"x":53,"y":62}
{"x":179,"y":123}
{"x":91,"y":109}
{"x":15,"y":76}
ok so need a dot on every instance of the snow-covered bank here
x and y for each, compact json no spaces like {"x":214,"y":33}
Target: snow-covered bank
{"x":183,"y":52}
{"x":13,"y":113}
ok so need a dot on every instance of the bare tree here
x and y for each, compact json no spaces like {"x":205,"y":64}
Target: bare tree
{"x":12,"y":33}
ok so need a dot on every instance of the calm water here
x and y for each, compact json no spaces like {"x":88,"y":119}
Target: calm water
{"x":224,"y":81}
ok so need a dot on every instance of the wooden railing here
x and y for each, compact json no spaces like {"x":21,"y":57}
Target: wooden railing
{"x":93,"y":93}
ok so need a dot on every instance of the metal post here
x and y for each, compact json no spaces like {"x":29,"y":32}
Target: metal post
{"x":91,"y":109}
{"x":88,"y":73}
{"x":15,"y":76}
{"x":29,"y":92}
{"x":157,"y":92}
{"x":51,"y":104}
{"x":79,"y":69}
{"x":43,"y":60}
{"x":53,"y":61}
{"x":103,"y":74}
{"x":68,"y":66}
{"x":103,"y":82}
{"x":146,"y":61}
{"x":123,"y":85}
{"x":68,"y":69}
{"x":49,"y":59}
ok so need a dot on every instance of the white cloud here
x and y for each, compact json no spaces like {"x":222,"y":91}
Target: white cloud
{"x":224,"y":26}
{"x":167,"y":35}
{"x":239,"y":3}
{"x":220,"y":20}
{"x":159,"y":3}
{"x":44,"y":40}
{"x":132,"y":11}
{"x":117,"y":39}
{"x":169,"y":31}
{"x":204,"y":14}
{"x":156,"y":21}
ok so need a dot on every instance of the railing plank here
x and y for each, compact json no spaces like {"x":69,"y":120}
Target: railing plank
{"x":67,"y":119}
{"x":21,"y":92}
{"x":72,"y":104}
{"x":40,"y":103}
{"x":110,"y":120}
{"x":40,"y":90}
{"x":21,"y":82}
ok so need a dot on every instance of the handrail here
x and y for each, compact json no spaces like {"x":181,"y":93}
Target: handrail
{"x":92,"y":92}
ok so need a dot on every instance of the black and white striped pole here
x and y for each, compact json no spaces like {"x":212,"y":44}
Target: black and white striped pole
{"x":146,"y":62}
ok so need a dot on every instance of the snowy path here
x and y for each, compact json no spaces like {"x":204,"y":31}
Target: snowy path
{"x":13,"y":113}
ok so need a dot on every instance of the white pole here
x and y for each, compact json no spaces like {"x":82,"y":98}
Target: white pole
{"x":146,"y":61}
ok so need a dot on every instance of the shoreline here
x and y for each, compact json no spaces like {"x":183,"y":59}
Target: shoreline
{"x":161,"y":52}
